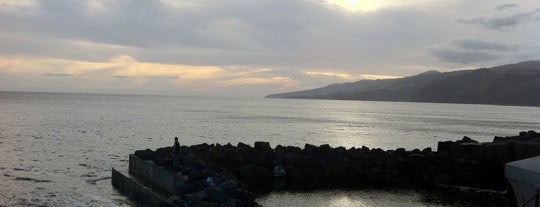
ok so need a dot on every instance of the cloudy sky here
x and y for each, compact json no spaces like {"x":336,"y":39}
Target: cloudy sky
{"x":252,"y":47}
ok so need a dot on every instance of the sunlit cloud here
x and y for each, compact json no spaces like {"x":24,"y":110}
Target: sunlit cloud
{"x":185,"y":47}
{"x":243,"y":76}
{"x":375,"y":77}
{"x":125,"y":66}
{"x":96,"y":5}
{"x":57,"y":74}
{"x":356,"y":5}
{"x":258,"y":80}
{"x":89,"y":45}
{"x":144,"y":74}
{"x":182,"y":4}
{"x":12,"y":4}
{"x":129,"y":66}
{"x":348,"y":76}
{"x":372,"y":5}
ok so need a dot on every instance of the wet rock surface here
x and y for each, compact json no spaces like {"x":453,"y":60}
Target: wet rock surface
{"x":227,"y":175}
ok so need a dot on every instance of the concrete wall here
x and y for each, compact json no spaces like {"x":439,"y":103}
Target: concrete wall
{"x":524,"y":176}
{"x":136,"y":190}
{"x":146,"y":170}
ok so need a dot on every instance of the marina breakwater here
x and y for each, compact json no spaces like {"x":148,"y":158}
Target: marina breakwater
{"x":228,"y":175}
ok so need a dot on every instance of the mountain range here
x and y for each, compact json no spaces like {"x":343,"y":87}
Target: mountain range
{"x":513,"y":84}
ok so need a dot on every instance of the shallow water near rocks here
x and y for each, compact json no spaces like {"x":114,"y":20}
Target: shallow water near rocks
{"x":58,"y":149}
{"x":356,"y":198}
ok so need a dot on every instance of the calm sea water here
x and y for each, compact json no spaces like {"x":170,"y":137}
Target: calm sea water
{"x":58,"y":149}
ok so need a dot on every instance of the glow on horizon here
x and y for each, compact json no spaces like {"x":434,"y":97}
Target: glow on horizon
{"x":137,"y":73}
{"x":122,"y":65}
{"x":350,"y":77}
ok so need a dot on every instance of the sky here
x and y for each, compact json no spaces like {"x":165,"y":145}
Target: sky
{"x":247,"y":48}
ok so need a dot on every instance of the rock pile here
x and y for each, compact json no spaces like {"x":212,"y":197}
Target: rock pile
{"x":207,"y":184}
{"x":216,"y":172}
{"x":500,"y":151}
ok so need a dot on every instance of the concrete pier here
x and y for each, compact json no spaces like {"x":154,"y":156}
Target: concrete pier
{"x":165,"y":180}
{"x":136,"y":190}
{"x":524,"y":176}
{"x":195,"y":184}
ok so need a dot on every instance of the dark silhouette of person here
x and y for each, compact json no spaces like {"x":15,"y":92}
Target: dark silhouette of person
{"x":176,"y":146}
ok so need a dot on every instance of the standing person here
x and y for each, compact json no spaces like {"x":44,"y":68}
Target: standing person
{"x":176,"y":155}
{"x":176,"y":146}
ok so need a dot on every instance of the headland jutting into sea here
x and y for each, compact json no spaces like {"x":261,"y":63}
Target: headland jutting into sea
{"x":227,"y":175}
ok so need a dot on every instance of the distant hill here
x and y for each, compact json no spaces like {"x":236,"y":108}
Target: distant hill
{"x":514,"y":84}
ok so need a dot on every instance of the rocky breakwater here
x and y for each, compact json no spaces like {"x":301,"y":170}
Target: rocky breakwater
{"x":207,"y":184}
{"x":462,"y":170}
{"x":493,"y":155}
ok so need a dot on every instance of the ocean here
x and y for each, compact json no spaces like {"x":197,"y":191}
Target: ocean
{"x":58,"y":149}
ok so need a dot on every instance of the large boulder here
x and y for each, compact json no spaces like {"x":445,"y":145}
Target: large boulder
{"x":246,"y":171}
{"x":146,"y":154}
{"x":473,"y":149}
{"x":335,"y":170}
{"x":532,"y":148}
{"x":218,"y":195}
{"x":262,"y":146}
{"x":497,"y":152}
{"x":309,"y":149}
{"x":444,"y":146}
{"x":467,"y":139}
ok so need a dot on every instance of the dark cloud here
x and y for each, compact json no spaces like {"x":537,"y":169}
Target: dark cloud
{"x":505,"y":6}
{"x":476,"y":43}
{"x":468,"y":50}
{"x":453,"y":55}
{"x":500,"y":22}
{"x":303,"y":33}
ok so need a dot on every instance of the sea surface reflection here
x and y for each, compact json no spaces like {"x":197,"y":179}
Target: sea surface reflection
{"x":58,"y":149}
{"x":356,"y":198}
